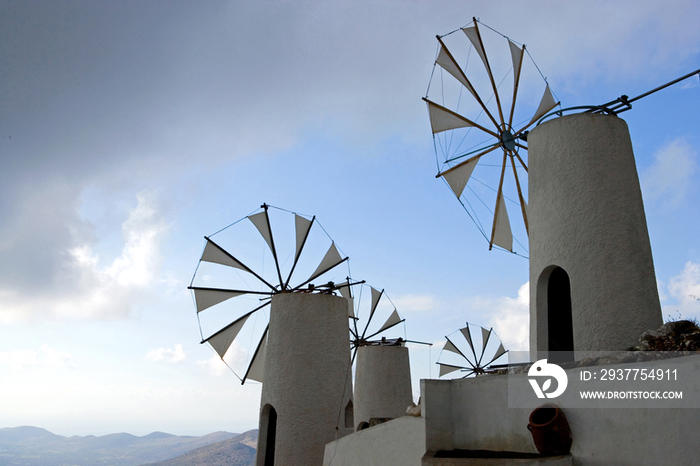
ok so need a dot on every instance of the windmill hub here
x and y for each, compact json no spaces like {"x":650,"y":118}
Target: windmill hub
{"x":508,"y":140}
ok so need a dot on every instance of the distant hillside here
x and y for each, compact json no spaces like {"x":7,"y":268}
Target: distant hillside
{"x":33,"y":446}
{"x":237,"y":451}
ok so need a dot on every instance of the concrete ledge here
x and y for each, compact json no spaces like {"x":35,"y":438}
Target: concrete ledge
{"x":490,"y":458}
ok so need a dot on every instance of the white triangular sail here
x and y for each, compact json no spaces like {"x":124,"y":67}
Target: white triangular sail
{"x":302,"y":226}
{"x":393,"y":319}
{"x":546,"y":104}
{"x":205,"y":298}
{"x":473,"y":35}
{"x":214,"y":253}
{"x":256,"y":370}
{"x":459,"y":176}
{"x":346,"y":293}
{"x":467,"y":335}
{"x":449,"y":346}
{"x":500,"y":352}
{"x":446,"y":369}
{"x":222,"y":340}
{"x":516,"y":54}
{"x":484,"y":338}
{"x":330,"y":260}
{"x":442,"y":119}
{"x":376,"y":295}
{"x":447,"y":62}
{"x":262,"y":223}
{"x":502,"y":234}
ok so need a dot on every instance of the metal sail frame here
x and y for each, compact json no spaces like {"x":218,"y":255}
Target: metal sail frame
{"x":476,"y":366}
{"x":361,"y":338}
{"x":206,"y":297}
{"x":444,"y":119}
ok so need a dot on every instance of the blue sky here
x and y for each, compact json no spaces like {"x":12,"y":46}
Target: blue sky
{"x":130,"y":130}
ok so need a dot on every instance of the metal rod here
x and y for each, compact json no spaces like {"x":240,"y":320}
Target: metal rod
{"x":664,"y":86}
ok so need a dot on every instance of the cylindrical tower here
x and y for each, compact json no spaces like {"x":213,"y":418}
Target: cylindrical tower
{"x":592,"y":281}
{"x":307,"y":387}
{"x":382,"y":384}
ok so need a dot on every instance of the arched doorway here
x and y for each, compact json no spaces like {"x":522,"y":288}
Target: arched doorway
{"x":266,"y":436}
{"x":560,"y":330}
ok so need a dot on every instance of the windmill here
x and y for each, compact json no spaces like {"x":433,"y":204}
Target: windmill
{"x":478,"y":130}
{"x":302,"y":355}
{"x":470,"y":350}
{"x":382,"y":372}
{"x":592,"y":280}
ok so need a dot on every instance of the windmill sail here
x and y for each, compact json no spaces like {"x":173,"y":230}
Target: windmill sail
{"x":394,"y":319}
{"x":302,"y":228}
{"x":446,"y":369}
{"x":473,"y":34}
{"x":256,"y":370}
{"x":262,"y":223}
{"x":516,"y":54}
{"x":346,"y":293}
{"x":221,"y":341}
{"x":330,"y":260}
{"x":448,"y":63}
{"x":546,"y":104}
{"x":459,"y":177}
{"x":500,"y":352}
{"x":502,"y":234}
{"x":485,"y":334}
{"x":443,"y":119}
{"x":467,"y":335}
{"x":216,"y":254}
{"x":208,"y":297}
{"x":456,"y":131}
{"x":449,"y":346}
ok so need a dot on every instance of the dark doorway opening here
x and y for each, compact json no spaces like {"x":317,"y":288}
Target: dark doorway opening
{"x":271,"y":432}
{"x":560,"y":327}
{"x":266,"y":436}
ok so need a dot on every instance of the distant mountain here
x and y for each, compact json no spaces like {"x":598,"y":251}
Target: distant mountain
{"x":33,"y":446}
{"x":237,"y":451}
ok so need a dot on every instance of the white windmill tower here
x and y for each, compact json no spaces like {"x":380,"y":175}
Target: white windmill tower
{"x":592,"y":281}
{"x":303,"y":354}
{"x":382,"y":371}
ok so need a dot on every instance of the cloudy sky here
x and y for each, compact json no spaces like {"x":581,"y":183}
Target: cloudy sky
{"x":129,"y":130}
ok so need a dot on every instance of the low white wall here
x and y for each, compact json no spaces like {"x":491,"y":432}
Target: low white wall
{"x":474,"y":414}
{"x":400,"y":441}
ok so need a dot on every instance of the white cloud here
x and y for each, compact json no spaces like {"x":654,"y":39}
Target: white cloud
{"x":685,"y":288}
{"x":510,"y":318}
{"x":90,"y":290}
{"x":44,"y":357}
{"x":668,"y":179}
{"x":214,"y":366}
{"x":236,"y":358}
{"x":171,"y":356}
